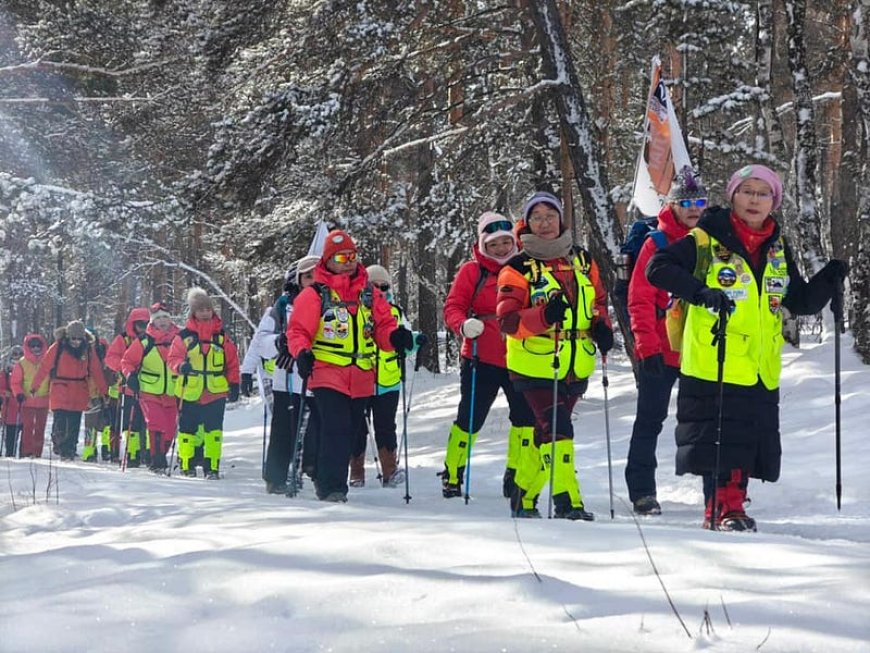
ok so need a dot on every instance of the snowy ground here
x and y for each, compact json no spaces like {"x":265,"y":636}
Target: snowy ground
{"x":132,"y":562}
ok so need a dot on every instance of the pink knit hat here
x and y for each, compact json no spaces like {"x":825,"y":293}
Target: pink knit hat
{"x":492,"y":225}
{"x":760,"y":172}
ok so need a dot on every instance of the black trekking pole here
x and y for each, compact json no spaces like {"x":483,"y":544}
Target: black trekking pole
{"x":405,"y":428}
{"x":292,"y":489}
{"x":719,"y":341}
{"x":471,"y":420}
{"x":837,"y":308}
{"x":553,"y":419}
{"x":606,"y":383}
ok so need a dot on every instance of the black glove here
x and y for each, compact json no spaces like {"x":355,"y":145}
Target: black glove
{"x":555,"y":309}
{"x":20,"y":397}
{"x":305,"y":363}
{"x":185,"y":369}
{"x":402,"y":340}
{"x":603,"y":336}
{"x":422,"y":340}
{"x":132,"y":383}
{"x":234,"y":393}
{"x":247,"y":384}
{"x":652,"y":365}
{"x":713,"y":298}
{"x":835,"y":270}
{"x":283,"y":360}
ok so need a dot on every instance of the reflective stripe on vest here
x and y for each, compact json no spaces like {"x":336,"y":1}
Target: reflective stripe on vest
{"x":753,"y":337}
{"x":533,"y":356}
{"x":154,"y":375}
{"x":345,"y":338}
{"x":209,"y":370}
{"x":28,"y":369}
{"x":389,"y":373}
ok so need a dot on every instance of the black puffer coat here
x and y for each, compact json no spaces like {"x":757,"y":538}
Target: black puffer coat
{"x":750,"y":414}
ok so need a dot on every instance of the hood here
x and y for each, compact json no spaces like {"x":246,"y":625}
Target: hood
{"x":29,"y":354}
{"x":204,"y":330}
{"x":348,"y":286}
{"x":138,"y":314}
{"x":163,"y":337}
{"x":668,"y":223}
{"x":489,"y":263}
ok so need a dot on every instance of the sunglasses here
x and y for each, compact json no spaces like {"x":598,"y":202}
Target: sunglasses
{"x":76,"y":339}
{"x":344,"y":258}
{"x":501,"y":225}
{"x":687,"y":204}
{"x":34,"y":344}
{"x":383,"y":287}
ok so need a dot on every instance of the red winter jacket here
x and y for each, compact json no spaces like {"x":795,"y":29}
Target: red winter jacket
{"x":10,"y":405}
{"x":133,"y":356}
{"x":72,"y":377}
{"x":18,"y":380}
{"x":646,"y":303}
{"x":119,"y":345}
{"x":305,"y":322}
{"x":205,"y":331}
{"x":459,"y":306}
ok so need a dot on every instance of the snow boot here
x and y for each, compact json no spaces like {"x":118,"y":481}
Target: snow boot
{"x":393,"y":475}
{"x":358,"y":471}
{"x":646,"y":506}
{"x":730,"y":498}
{"x":567,"y":502}
{"x":455,"y":460}
{"x":451,"y":490}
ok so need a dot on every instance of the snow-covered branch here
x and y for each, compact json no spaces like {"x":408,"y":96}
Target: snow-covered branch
{"x":65,"y":67}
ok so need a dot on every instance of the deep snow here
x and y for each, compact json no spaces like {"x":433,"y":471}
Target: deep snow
{"x":133,"y":562}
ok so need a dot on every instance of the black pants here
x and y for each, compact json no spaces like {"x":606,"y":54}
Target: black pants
{"x":339,"y":422}
{"x":653,"y":398}
{"x":285,"y":425}
{"x":65,"y":432}
{"x":489,"y":379}
{"x":383,"y":411}
{"x":12,"y":431}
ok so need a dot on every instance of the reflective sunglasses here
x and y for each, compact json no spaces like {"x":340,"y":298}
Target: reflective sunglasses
{"x":501,"y":225}
{"x":687,"y":204}
{"x":34,"y":344}
{"x":344,"y":258}
{"x":383,"y":287}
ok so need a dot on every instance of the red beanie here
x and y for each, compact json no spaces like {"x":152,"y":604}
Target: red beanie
{"x":337,"y":241}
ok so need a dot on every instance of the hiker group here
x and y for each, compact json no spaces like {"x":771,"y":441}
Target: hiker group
{"x":152,"y":383}
{"x":705,"y":295}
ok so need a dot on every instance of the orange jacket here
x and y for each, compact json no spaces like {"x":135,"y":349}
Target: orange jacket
{"x":70,"y":375}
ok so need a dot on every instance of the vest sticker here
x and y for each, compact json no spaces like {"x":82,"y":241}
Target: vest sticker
{"x":737,"y":294}
{"x":342,"y":330}
{"x":722,"y":252}
{"x":328,"y":331}
{"x":745,"y":278}
{"x":726,"y":277}
{"x":775,"y":284}
{"x":341,"y":314}
{"x":774,"y":303}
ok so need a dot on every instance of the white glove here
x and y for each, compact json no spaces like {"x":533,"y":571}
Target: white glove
{"x":471,"y":328}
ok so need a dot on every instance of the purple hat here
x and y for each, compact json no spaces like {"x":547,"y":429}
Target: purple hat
{"x":760,"y":172}
{"x":542,"y":197}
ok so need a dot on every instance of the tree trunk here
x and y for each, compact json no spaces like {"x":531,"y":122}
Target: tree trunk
{"x":860,"y":275}
{"x":604,"y":229}
{"x":807,"y":226}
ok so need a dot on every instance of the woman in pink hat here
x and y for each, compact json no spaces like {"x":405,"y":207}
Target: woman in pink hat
{"x":747,"y":269}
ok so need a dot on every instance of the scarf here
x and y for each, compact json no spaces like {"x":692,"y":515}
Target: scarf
{"x":752,"y":239}
{"x":547,"y":250}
